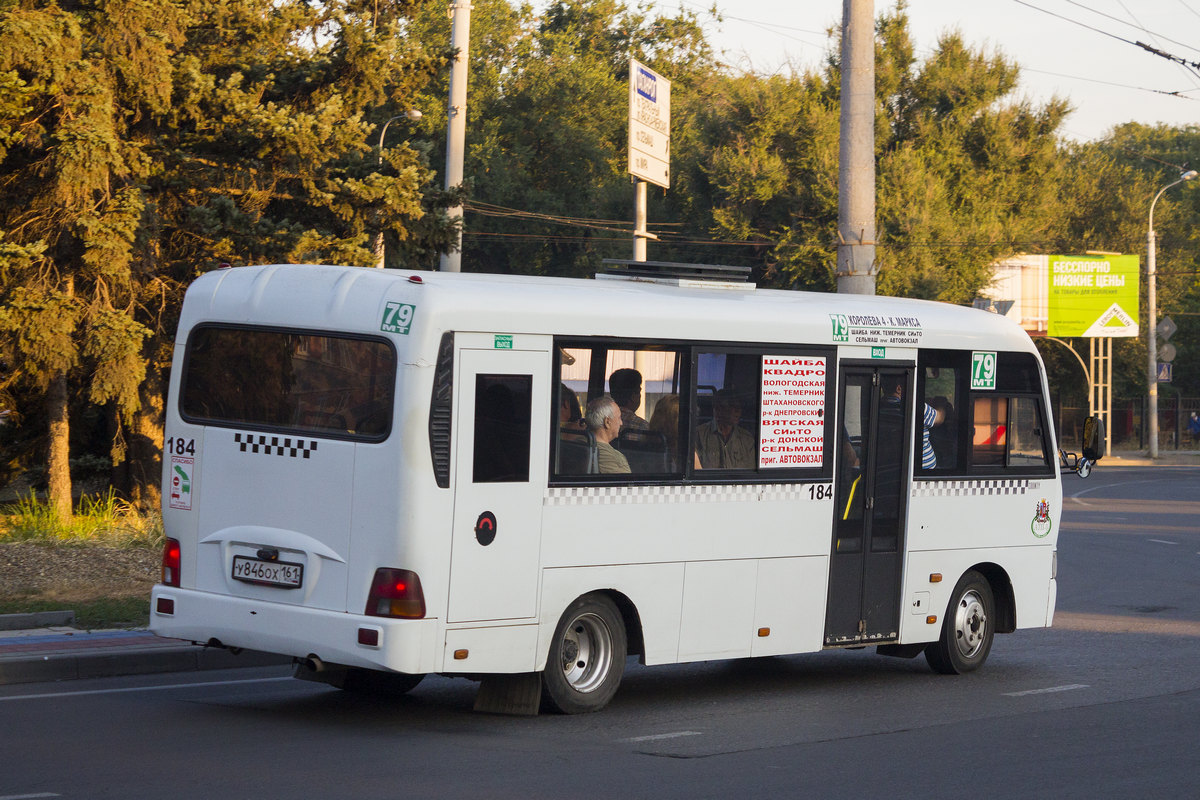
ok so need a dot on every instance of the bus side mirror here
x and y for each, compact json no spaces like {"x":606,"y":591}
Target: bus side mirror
{"x":1093,"y":439}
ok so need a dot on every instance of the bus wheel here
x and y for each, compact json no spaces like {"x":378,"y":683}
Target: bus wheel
{"x":967,"y":629}
{"x":587,"y":656}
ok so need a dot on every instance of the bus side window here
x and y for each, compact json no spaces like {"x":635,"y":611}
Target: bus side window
{"x":503,"y":410}
{"x":1008,"y":425}
{"x":990,"y":433}
{"x":726,"y":437}
{"x":940,"y":392}
{"x":644,"y":382}
{"x":1026,"y":439}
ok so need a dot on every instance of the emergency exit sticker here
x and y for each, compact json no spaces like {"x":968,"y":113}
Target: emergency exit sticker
{"x":983,"y":370}
{"x":397,"y":317}
{"x":503,"y":341}
{"x":182,"y":470}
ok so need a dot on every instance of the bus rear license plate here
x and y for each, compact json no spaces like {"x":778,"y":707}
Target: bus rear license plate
{"x":268,"y":573}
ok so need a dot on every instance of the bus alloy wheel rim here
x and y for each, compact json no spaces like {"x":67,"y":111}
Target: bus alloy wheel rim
{"x":586,"y":653}
{"x":970,"y":624}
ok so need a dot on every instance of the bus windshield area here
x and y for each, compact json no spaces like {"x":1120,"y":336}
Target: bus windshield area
{"x":289,"y":381}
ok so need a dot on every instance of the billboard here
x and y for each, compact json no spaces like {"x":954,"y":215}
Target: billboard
{"x":1093,"y":296}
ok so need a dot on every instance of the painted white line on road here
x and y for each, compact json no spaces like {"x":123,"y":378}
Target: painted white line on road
{"x":50,"y":695}
{"x":1161,"y":541}
{"x":1048,"y":690}
{"x":654,"y":738}
{"x":28,"y":796}
{"x":1090,"y":489}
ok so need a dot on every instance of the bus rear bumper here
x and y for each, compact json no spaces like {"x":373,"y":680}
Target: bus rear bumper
{"x":333,"y":637}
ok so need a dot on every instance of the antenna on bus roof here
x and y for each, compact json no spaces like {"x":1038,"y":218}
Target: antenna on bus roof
{"x":711,"y":276}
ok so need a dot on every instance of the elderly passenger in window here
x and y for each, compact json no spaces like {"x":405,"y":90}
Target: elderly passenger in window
{"x":603,"y":419}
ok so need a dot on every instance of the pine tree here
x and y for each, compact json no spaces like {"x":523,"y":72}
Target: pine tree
{"x":147,"y":141}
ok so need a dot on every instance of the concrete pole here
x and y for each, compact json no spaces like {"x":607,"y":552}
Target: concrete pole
{"x":856,"y":159}
{"x":1151,"y":343}
{"x":456,"y":124}
{"x":1152,"y":318}
{"x":639,"y":221}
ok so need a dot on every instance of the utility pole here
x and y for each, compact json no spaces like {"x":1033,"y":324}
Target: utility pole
{"x":1151,"y":318}
{"x":855,"y":269}
{"x":456,"y":120}
{"x":640,"y":234}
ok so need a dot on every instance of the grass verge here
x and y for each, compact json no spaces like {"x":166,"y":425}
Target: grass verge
{"x":104,"y":520}
{"x":99,"y":563}
{"x":93,"y":614}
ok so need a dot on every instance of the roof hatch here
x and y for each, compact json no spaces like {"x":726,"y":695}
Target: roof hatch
{"x":672,"y":273}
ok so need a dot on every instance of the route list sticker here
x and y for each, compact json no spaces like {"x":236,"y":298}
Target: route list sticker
{"x":792,"y":427}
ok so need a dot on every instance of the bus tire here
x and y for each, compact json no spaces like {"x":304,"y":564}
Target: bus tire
{"x":587,"y":656}
{"x":967,"y":629}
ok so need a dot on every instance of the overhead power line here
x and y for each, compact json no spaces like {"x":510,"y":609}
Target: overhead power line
{"x":1180,"y":93}
{"x":1137,"y":25}
{"x":1192,"y":65}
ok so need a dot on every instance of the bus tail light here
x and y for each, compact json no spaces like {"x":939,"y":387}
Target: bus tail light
{"x":170,"y":563}
{"x":396,"y":593}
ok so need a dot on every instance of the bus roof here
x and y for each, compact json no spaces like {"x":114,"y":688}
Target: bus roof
{"x":353,"y":299}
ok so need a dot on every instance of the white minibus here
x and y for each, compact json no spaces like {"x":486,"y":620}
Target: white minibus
{"x":386,"y":474}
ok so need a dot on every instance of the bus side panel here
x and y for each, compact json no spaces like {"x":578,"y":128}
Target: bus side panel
{"x":614,"y":525}
{"x":656,"y":591}
{"x":718,"y":610}
{"x":181,"y":488}
{"x":790,"y":604}
{"x":1028,"y":569}
{"x":953,"y":514}
{"x":496,"y":648}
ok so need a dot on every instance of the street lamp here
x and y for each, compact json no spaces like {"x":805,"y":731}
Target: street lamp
{"x":411,"y":115}
{"x":1151,"y":313}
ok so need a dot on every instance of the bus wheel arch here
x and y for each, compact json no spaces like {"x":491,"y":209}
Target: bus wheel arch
{"x":1004,"y":601}
{"x":586,"y":659}
{"x":968,"y":628}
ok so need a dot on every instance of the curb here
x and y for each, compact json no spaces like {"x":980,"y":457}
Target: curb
{"x":36,"y":619}
{"x":50,"y":658}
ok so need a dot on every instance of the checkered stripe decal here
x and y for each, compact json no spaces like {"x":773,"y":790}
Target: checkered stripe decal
{"x":275,"y":445}
{"x":971,"y":488}
{"x":609,"y":495}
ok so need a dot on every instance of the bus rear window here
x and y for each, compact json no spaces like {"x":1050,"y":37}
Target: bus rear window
{"x":335,"y":386}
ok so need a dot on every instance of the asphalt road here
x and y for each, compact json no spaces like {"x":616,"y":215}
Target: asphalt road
{"x":1105,"y":704}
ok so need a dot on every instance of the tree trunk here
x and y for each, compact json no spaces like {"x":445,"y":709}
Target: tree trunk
{"x":58,"y":466}
{"x":145,"y":437}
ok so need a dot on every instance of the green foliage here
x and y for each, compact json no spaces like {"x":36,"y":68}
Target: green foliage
{"x":38,"y":325}
{"x":546,"y":116}
{"x":104,"y":520}
{"x":143,"y":142}
{"x":114,"y":345}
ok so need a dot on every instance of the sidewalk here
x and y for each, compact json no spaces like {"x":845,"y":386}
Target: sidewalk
{"x":60,"y":652}
{"x":1141,"y":458}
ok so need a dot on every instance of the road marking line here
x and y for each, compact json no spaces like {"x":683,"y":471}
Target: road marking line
{"x":50,"y":695}
{"x":1049,"y":690}
{"x":28,"y":796}
{"x":1161,"y":541}
{"x":653,"y":738}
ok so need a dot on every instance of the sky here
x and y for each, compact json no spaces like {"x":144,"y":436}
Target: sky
{"x":1106,"y":80}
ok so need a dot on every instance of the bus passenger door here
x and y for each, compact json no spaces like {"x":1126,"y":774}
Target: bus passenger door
{"x":501,"y":412}
{"x":875,"y":414}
